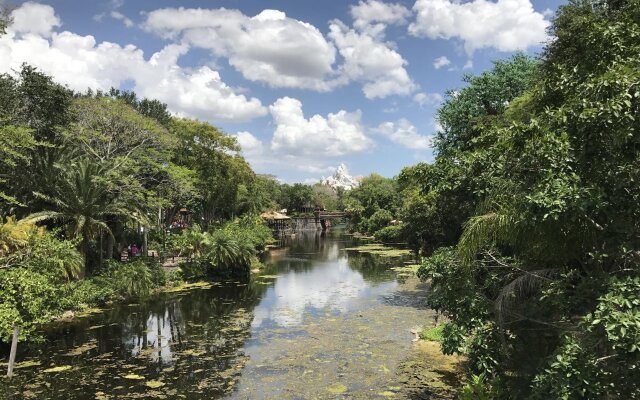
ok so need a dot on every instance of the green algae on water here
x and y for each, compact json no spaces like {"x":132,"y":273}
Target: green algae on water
{"x":380,"y":250}
{"x":337,"y":388}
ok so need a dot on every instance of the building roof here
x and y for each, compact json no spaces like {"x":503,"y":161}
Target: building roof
{"x":273,"y":215}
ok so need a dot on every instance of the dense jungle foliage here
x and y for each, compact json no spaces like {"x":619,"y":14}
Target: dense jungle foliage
{"x":530,"y":214}
{"x":84,"y":177}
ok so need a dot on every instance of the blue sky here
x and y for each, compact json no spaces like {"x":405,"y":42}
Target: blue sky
{"x":304,"y":85}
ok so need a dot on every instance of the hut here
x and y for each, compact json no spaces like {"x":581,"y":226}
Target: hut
{"x":276,"y":220}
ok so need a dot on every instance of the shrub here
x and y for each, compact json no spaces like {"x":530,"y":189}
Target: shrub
{"x":390,"y":234}
{"x":27,"y":299}
{"x":192,"y":270}
{"x":131,"y":280}
{"x":379,"y":220}
{"x":86,"y":293}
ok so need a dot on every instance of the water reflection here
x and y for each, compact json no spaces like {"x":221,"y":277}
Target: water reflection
{"x":194,"y":343}
{"x":312,"y":282}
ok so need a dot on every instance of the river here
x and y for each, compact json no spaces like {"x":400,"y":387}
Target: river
{"x":318,"y":322}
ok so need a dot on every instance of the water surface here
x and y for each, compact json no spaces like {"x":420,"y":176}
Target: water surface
{"x":318,"y":322}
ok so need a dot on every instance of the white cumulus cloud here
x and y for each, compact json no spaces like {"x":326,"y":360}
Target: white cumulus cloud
{"x":440,"y":62}
{"x":336,"y":134}
{"x":371,"y":61}
{"x":81,"y":63}
{"x":506,"y":25}
{"x":250,"y":145}
{"x":34,"y":18}
{"x":269,"y":47}
{"x":424,"y":99}
{"x":366,"y":14}
{"x":402,"y":132}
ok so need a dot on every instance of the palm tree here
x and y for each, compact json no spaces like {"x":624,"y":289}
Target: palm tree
{"x":223,"y":250}
{"x":83,"y":204}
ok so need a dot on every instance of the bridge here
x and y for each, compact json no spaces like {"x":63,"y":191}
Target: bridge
{"x":330,"y":214}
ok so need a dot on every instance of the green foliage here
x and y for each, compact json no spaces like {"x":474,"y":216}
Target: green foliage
{"x":86,"y":293}
{"x":192,"y":270}
{"x":603,"y":356}
{"x":295,"y":197}
{"x":374,"y":193}
{"x":535,"y":188}
{"x":27,"y":299}
{"x":434,"y":333}
{"x":378,"y":220}
{"x":390,"y":234}
{"x":134,"y":279}
{"x":478,"y":388}
{"x":5,"y":18}
{"x":228,"y":250}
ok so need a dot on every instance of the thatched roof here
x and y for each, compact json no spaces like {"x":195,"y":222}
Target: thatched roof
{"x":273,"y":215}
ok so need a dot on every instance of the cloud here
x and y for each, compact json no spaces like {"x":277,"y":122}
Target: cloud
{"x":440,"y":62}
{"x":334,"y":135}
{"x":368,"y":14}
{"x":506,"y":25}
{"x":114,"y":6}
{"x":121,"y":17}
{"x":34,"y":18}
{"x":368,"y":60}
{"x":431,"y":99}
{"x":80,"y":62}
{"x":405,"y":134}
{"x":269,"y":47}
{"x":251,"y":145}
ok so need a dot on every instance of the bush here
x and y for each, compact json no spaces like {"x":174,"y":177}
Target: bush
{"x":379,"y":220}
{"x":390,"y":234}
{"x":27,"y":299}
{"x":131,"y":280}
{"x":192,"y":270}
{"x":86,"y":293}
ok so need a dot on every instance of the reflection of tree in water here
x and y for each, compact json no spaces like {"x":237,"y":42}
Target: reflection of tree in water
{"x":373,"y":268}
{"x":191,"y":341}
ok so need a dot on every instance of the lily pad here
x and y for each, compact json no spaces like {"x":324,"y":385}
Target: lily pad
{"x":24,"y":364}
{"x":154,"y":384}
{"x":134,"y":377}
{"x":338,"y":388}
{"x":59,"y":368}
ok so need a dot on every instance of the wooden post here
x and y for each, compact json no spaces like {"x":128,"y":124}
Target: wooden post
{"x":14,"y":348}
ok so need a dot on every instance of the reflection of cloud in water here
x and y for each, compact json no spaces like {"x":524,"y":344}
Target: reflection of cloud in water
{"x":331,"y":284}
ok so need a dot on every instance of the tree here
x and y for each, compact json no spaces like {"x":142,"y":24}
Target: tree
{"x":540,"y":288}
{"x":220,"y":170}
{"x":34,"y":111}
{"x":83,"y":204}
{"x":376,"y":192}
{"x":5,"y":18}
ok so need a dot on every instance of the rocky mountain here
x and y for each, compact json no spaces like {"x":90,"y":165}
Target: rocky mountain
{"x":341,"y":179}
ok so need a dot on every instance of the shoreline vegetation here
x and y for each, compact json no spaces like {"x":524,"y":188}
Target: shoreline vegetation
{"x":525,"y":226}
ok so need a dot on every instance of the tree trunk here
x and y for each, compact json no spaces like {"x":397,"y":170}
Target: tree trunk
{"x":145,"y":244}
{"x":14,"y":349}
{"x":101,"y":251}
{"x":110,"y":245}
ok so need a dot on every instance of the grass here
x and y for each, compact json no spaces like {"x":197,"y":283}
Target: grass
{"x":433,"y":334}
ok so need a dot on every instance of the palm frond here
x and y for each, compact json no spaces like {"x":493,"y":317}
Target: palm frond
{"x":516,"y":292}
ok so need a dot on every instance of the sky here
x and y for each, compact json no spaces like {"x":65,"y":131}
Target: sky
{"x":303,"y":85}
